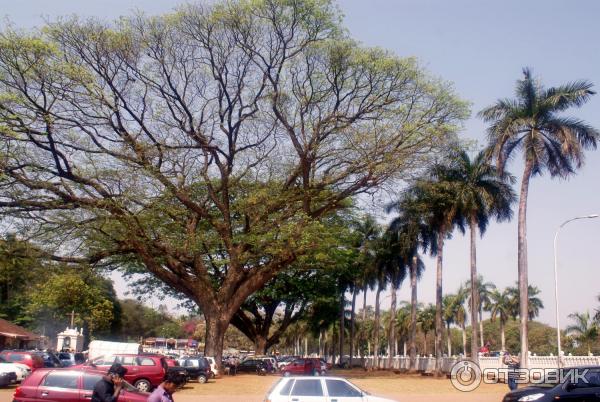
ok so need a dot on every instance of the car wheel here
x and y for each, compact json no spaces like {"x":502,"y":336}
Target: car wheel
{"x":143,"y":385}
{"x":201,"y":379}
{"x":286,"y":373}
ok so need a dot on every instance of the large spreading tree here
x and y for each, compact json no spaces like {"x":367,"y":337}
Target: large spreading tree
{"x":205,"y":146}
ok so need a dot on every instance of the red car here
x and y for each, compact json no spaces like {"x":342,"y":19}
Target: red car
{"x":305,"y":366}
{"x":145,"y":372}
{"x":66,"y":385}
{"x":32,"y":359}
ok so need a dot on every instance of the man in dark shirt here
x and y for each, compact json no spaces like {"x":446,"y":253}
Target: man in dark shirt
{"x":109,"y":387}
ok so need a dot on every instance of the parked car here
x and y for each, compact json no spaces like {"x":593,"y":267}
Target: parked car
{"x":304,"y":366}
{"x":585,"y":388}
{"x":69,"y":385}
{"x":145,"y":372}
{"x":271,"y":363}
{"x":20,"y":370}
{"x":252,"y":366}
{"x":174,"y":367}
{"x":7,"y":378}
{"x":51,"y":360}
{"x":284,"y":361}
{"x":197,"y":367}
{"x":69,"y":359}
{"x":31,"y":359}
{"x":324,"y":389}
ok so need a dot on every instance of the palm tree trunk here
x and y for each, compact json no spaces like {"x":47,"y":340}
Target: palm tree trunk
{"x":352,"y":314}
{"x":363,"y":332}
{"x":424,"y":343}
{"x":377,"y":323}
{"x":522,"y":264}
{"x":502,"y":336}
{"x":449,"y":340}
{"x":392,"y":329}
{"x":481,"y":323}
{"x":413,"y":314}
{"x":474,"y":289}
{"x":342,"y":324}
{"x":438,"y":303}
{"x":464,"y":339}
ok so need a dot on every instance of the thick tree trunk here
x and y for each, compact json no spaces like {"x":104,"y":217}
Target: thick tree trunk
{"x":413,"y":314}
{"x":522,"y":265}
{"x":392,"y":329}
{"x":215,"y":333}
{"x":260,"y":345}
{"x":464,"y":339}
{"x":424,"y":343}
{"x":449,"y":340}
{"x":342,"y":325}
{"x":363,"y":330}
{"x":352,"y":325}
{"x":502,"y":336}
{"x":376,"y":331}
{"x":474,"y":290}
{"x":439,"y":325}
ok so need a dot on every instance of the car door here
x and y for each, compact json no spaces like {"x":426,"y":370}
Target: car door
{"x":587,"y":389}
{"x":342,"y":391}
{"x":130,"y":363}
{"x":247,"y":366}
{"x":297,"y":366}
{"x":89,"y":381}
{"x":60,"y":386}
{"x":307,"y":390}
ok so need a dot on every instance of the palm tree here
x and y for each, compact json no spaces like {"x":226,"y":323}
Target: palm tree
{"x":597,"y":313}
{"x":460,"y":316}
{"x":368,"y":232}
{"x":384,"y":267}
{"x":397,"y":273}
{"x":483,"y":193}
{"x":534,"y":125}
{"x":409,"y":232}
{"x":534,"y":305}
{"x":450,"y":306}
{"x":403,"y":323}
{"x":585,"y":330}
{"x":501,"y":307}
{"x":437,"y":203}
{"x":484,"y":292}
{"x":426,"y":320}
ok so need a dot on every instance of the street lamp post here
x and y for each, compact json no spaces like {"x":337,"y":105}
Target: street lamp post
{"x":556,"y":276}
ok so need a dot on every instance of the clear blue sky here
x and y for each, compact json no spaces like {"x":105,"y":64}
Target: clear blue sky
{"x":481,"y":46}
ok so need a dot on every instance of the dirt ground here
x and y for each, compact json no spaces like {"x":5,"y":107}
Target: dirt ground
{"x":401,"y":387}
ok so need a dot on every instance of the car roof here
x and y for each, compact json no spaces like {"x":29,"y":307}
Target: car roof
{"x":324,"y":377}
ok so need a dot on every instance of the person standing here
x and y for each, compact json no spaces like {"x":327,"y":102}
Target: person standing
{"x":109,"y":387}
{"x":164,"y":392}
{"x":513,"y":364}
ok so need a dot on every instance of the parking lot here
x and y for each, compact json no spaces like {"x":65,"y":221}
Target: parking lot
{"x":404,"y":388}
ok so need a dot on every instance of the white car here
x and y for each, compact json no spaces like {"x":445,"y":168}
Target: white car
{"x":21,"y":370}
{"x":321,"y":389}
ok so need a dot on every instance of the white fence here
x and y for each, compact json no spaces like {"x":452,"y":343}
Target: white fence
{"x":426,"y":364}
